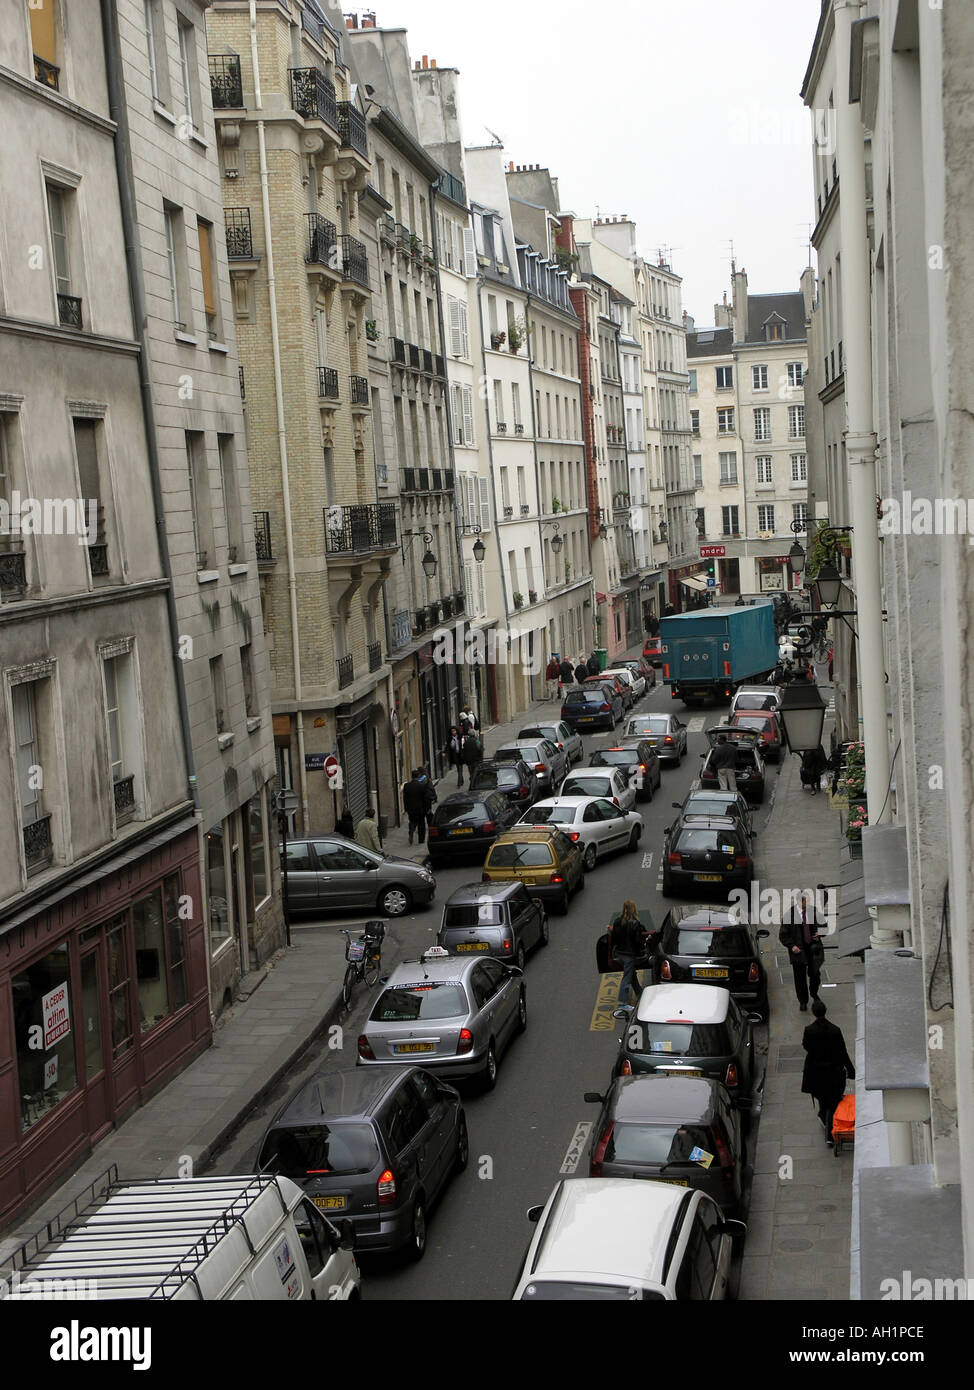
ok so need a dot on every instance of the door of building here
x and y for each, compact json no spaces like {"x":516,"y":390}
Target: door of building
{"x":98,"y":1085}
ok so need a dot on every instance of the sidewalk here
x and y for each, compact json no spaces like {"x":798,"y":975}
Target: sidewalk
{"x":798,"y":1241}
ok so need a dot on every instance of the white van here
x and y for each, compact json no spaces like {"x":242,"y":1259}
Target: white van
{"x":248,"y":1237}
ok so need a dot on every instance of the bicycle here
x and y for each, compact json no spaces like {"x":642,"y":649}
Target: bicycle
{"x":364,"y":958}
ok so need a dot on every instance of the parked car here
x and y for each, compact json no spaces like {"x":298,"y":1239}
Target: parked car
{"x":613,"y":681}
{"x":609,"y":782}
{"x":373,"y":1148}
{"x":636,"y":681}
{"x":493,"y":919}
{"x":452,"y":1016}
{"x":714,"y":852}
{"x":637,"y":759}
{"x":548,"y":863}
{"x":666,"y":733}
{"x":756,"y":697}
{"x":611,"y":1238}
{"x":766,"y":723}
{"x":711,"y":801}
{"x":516,"y":781}
{"x":597,"y":825}
{"x":683,"y":1127}
{"x":328,"y":873}
{"x":560,"y":734}
{"x":750,"y":764}
{"x":690,"y":1030}
{"x":548,"y":761}
{"x":465,"y":824}
{"x":640,"y":666}
{"x":698,"y":942}
{"x":653,"y":651}
{"x":591,"y":708}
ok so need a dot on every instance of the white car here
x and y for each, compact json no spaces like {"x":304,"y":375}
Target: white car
{"x":608,"y":782}
{"x":633,"y":679}
{"x":755,"y":697}
{"x":612,"y":1238}
{"x":596,"y":824}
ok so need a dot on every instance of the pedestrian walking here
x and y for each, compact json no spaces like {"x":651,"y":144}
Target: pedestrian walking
{"x":345,"y":825}
{"x":414,"y":802}
{"x":468,"y":715}
{"x":565,"y":672}
{"x":724,"y":763}
{"x":367,"y":833}
{"x":472,"y":751}
{"x":652,"y":627}
{"x":827,"y":1064}
{"x":452,"y":752}
{"x":831,"y":664}
{"x":581,"y":672}
{"x":592,"y":665}
{"x":552,"y":676}
{"x":630,"y":941}
{"x":814,"y":763}
{"x":799,"y":936}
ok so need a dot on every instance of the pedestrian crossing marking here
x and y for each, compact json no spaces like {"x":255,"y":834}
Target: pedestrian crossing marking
{"x":695,"y":725}
{"x":606,"y":1001}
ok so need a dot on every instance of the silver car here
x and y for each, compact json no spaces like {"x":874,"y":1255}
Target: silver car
{"x":560,"y":734}
{"x":450,"y":1016}
{"x":548,"y":762}
{"x":329,"y":873}
{"x":666,"y":733}
{"x":593,"y":822}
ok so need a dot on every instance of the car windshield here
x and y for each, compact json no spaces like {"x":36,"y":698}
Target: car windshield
{"x":699,"y":941}
{"x":563,"y":815}
{"x":560,"y":1290}
{"x":515,"y":856}
{"x":704,"y":806}
{"x":692,"y":839}
{"x":319,"y":1150}
{"x":420,"y":1002}
{"x":586,"y":786}
{"x":615,"y":757}
{"x":679,"y":1039}
{"x":665,"y":1143}
{"x":484,"y":914}
{"x":448,"y":812}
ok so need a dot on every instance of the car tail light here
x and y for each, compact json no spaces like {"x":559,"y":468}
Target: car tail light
{"x":574,"y":837}
{"x":506,"y":945}
{"x":754,"y":974}
{"x":484,"y":878}
{"x":598,"y":1157}
{"x":603,"y":709}
{"x":465,"y":1041}
{"x":665,"y":973}
{"x":488,"y":826}
{"x":556,"y":878}
{"x":386,"y":1188}
{"x":433,"y":831}
{"x":540,"y":767}
{"x":524,"y":791}
{"x":642,"y":767}
{"x":626,"y":1068}
{"x":731,"y":1077}
{"x":726,"y":1160}
{"x":740,"y":861}
{"x":674,"y":858}
{"x":668,"y":739}
{"x":365,"y":1049}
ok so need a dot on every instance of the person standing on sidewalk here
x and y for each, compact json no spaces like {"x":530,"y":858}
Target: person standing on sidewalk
{"x":799,"y":936}
{"x":565,"y":672}
{"x":827,"y":1064}
{"x":414,"y":802}
{"x":452,"y":752}
{"x":472,"y":751}
{"x":552,"y":676}
{"x":628,"y":943}
{"x":367,"y":833}
{"x":581,"y":672}
{"x":724,"y":763}
{"x":469,"y":717}
{"x":593,"y":666}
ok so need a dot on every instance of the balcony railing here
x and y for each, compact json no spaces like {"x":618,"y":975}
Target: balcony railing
{"x":402,"y":628}
{"x":38,"y":846}
{"x":352,"y":128}
{"x":448,"y":479}
{"x":46,"y":73}
{"x":437,"y":480}
{"x":419,"y":620}
{"x":360,"y":390}
{"x":427,"y":361}
{"x":375,"y":655}
{"x":322,"y":241}
{"x":123,"y":795}
{"x":243,"y":386}
{"x":262,"y":536}
{"x":355,"y":261}
{"x":399,"y":351}
{"x":360,"y":528}
{"x":240,"y":245}
{"x":327,"y":384}
{"x":424,"y":479}
{"x":311,"y":24}
{"x":439,"y":365}
{"x":225,"y":82}
{"x":313,"y":95}
{"x":345,"y":666}
{"x":409,"y":480}
{"x":453,"y":188}
{"x":13,"y":571}
{"x":458,"y":603}
{"x":415,"y":355}
{"x":69,"y":311}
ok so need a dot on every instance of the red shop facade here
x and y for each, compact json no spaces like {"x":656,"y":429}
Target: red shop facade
{"x":103,"y":999}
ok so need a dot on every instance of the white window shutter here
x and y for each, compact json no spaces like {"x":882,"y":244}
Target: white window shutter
{"x":468,"y":438}
{"x":469,"y":254}
{"x":472,"y":509}
{"x":454,"y":309}
{"x":464,"y":330}
{"x":484,"y":504}
{"x":481,"y":596}
{"x":467,"y":589}
{"x":455,"y":242}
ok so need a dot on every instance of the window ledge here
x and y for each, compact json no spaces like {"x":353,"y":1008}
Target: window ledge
{"x":224,"y":740}
{"x":207,"y":576}
{"x":217,"y":347}
{"x":254,"y":724}
{"x":803,"y":484}
{"x":198,"y":141}
{"x":189,"y":338}
{"x":237,"y":570}
{"x":163,"y":112}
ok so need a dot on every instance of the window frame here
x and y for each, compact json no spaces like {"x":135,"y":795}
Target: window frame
{"x":759,"y":377}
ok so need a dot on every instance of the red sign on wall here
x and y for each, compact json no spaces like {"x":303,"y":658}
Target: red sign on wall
{"x":711,"y":552}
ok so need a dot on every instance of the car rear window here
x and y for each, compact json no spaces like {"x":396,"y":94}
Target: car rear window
{"x":750,"y":721}
{"x":704,"y":806}
{"x":587,"y":786}
{"x":679,"y":1039}
{"x":649,"y":724}
{"x":615,"y":757}
{"x":563,"y":1290}
{"x":692,"y":840}
{"x":320,"y":1151}
{"x":489,"y":777}
{"x":460,"y":810}
{"x":667,"y":1143}
{"x":517,"y":755}
{"x":542,"y":731}
{"x":520,"y":856}
{"x":559,"y":815}
{"x":485,"y":914}
{"x":582,"y":697}
{"x":418,"y":1003}
{"x":698,"y":941}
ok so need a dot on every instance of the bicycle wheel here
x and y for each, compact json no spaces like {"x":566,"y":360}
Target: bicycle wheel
{"x":371,"y":972}
{"x":348,"y":986}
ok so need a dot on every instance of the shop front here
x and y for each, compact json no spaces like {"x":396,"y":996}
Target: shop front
{"x":773,"y":574}
{"x":103,"y":999}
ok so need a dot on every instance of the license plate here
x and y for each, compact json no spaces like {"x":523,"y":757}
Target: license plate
{"x":674,"y":1182}
{"x":330,"y":1203}
{"x":402,"y":1048}
{"x":464,"y":830}
{"x":708,"y":878}
{"x":482,"y":946}
{"x":682,"y":1071}
{"x":587,"y":719}
{"x":701,"y":972}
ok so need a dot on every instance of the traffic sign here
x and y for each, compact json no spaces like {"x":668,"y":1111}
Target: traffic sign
{"x":331,"y":765}
{"x":711,"y":582}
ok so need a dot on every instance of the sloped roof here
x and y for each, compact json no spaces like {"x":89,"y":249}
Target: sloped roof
{"x":710,"y":342}
{"x":789,"y":308}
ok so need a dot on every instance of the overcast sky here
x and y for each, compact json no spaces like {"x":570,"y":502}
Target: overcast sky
{"x":684,"y":114}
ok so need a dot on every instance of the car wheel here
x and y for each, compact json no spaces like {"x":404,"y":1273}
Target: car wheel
{"x":522,"y":1013}
{"x":563,"y":904}
{"x":650,"y":796}
{"x":519,"y":956}
{"x":463,"y":1147}
{"x":633,"y":844}
{"x":416,"y":1245}
{"x":591,"y":854}
{"x":395,"y":901}
{"x":581,"y":881}
{"x":488,"y":1076}
{"x":612,"y":725}
{"x":545,"y":932}
{"x":667,"y":888}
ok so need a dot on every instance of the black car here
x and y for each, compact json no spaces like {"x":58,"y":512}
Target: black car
{"x":516,"y":781}
{"x":690,"y":1030}
{"x":677,"y":1129}
{"x":710,"y":944}
{"x":750,"y":763}
{"x":592,"y":707}
{"x":707,"y":853}
{"x":637,"y":759}
{"x":468,"y":823}
{"x":493,"y":919}
{"x":712,"y":801}
{"x":375,"y":1147}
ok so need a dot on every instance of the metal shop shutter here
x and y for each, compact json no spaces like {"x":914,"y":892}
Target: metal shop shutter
{"x":355,"y":766}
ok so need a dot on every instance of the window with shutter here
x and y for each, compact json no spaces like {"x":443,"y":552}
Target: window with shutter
{"x":468,"y":437}
{"x":473,"y":509}
{"x":481,"y":594}
{"x":454,"y":311}
{"x":456,"y":243}
{"x":469,"y":254}
{"x":464,"y":331}
{"x":484,"y":504}
{"x":206,"y":267}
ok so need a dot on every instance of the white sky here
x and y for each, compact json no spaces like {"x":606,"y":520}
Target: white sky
{"x":684,"y":114}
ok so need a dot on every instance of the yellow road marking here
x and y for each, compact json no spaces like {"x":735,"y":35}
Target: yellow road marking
{"x":606,"y":1000}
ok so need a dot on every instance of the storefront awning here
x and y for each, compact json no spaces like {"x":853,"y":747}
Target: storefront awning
{"x":693,"y":581}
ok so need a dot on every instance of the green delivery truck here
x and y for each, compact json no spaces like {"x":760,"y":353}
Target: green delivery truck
{"x":709,"y":653}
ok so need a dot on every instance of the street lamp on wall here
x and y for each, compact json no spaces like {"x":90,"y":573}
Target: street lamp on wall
{"x":429,"y":561}
{"x":479,"y":550}
{"x":557,"y":540}
{"x":802,"y":712}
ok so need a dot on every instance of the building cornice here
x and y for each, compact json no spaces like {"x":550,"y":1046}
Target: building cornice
{"x":30,"y":329}
{"x":396,"y":133}
{"x":38,"y":91}
{"x":22,"y":611}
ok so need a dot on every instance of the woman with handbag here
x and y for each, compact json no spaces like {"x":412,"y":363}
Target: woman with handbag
{"x":630,"y":943}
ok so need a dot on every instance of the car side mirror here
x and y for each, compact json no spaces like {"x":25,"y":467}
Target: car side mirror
{"x":731,"y":1227}
{"x":622,"y":1012}
{"x":593,"y":1097}
{"x":676,"y":806}
{"x":761,"y":933}
{"x":534,"y":1214}
{"x":754,"y":1018}
{"x":703,"y":755}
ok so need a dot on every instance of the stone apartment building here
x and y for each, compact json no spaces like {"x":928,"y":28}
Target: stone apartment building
{"x":717,"y":472}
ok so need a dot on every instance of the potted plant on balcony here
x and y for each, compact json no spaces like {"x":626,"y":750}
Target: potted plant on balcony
{"x":567,"y":260}
{"x":518,"y":599}
{"x":517,"y":333}
{"x":372,"y":330}
{"x":858,"y":818}
{"x":415,"y":246}
{"x":497,"y":341}
{"x":556,"y":504}
{"x":532,"y":596}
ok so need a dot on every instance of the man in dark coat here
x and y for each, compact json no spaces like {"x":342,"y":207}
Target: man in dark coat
{"x":593,"y":665}
{"x":565,"y":672}
{"x":472,"y":751}
{"x":415,"y":801}
{"x":799,"y":936}
{"x":581,"y":672}
{"x":827,"y":1064}
{"x":652,"y":627}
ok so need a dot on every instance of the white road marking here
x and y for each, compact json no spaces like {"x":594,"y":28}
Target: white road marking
{"x":647,"y":861}
{"x":574,"y":1155}
{"x":695,"y":725}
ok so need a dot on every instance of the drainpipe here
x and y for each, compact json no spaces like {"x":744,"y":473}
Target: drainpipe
{"x":490,"y":454}
{"x":292,"y":580}
{"x":860,"y":438}
{"x":133,"y":266}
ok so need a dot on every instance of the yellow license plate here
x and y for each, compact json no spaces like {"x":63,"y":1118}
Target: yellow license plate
{"x":413,"y":1047}
{"x":587,"y":719}
{"x":704,"y":973}
{"x":674,"y":1182}
{"x":474,"y":946}
{"x":464,"y":830}
{"x":330,"y":1203}
{"x":708,"y":878}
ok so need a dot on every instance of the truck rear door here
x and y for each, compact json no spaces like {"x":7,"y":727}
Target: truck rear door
{"x":697,"y":660}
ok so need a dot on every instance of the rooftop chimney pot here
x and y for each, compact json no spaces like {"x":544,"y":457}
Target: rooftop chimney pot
{"x":426,"y":61}
{"x":432,"y":62}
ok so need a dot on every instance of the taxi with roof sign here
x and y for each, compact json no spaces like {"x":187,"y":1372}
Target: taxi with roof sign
{"x":449,"y":1015}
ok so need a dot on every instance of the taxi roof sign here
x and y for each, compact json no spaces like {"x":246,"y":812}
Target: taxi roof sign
{"x":434,"y":953}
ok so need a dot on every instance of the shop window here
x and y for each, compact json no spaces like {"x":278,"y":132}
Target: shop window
{"x":44,"y":1030}
{"x":91,"y":1017}
{"x":150,"y":960}
{"x":258,"y":850}
{"x":175,"y":943}
{"x":216,"y":879}
{"x":118,"y":987}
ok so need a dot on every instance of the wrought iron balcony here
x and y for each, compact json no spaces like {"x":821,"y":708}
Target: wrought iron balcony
{"x":311,"y":24}
{"x":452,"y":187}
{"x":38,"y":846}
{"x":446,"y":606}
{"x":123,"y":796}
{"x":355,"y":261}
{"x":313,"y":95}
{"x":225,"y":81}
{"x":459,"y":601}
{"x":375,"y":655}
{"x":47,"y":74}
{"x":360,"y":390}
{"x":409,"y":480}
{"x":69,"y":311}
{"x":399,"y":351}
{"x":352,"y":128}
{"x":439,"y":365}
{"x":327,"y":384}
{"x":427,"y":361}
{"x":240,"y":246}
{"x":401,"y":628}
{"x":360,"y":528}
{"x":437,"y":479}
{"x":419,"y":620}
{"x":98,"y":559}
{"x":262,"y":537}
{"x":424,"y":479}
{"x":345,"y":666}
{"x":415,"y":355}
{"x":243,"y":387}
{"x":448,"y":481}
{"x":13,"y":568}
{"x":322,"y":241}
